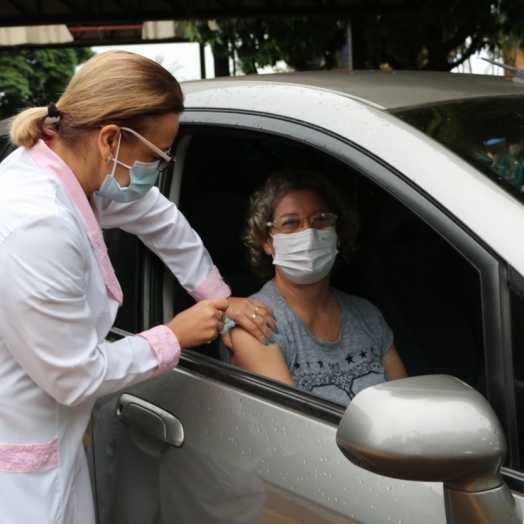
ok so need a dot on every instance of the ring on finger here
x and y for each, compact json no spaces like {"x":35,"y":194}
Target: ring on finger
{"x":254,"y":315}
{"x":256,"y":309}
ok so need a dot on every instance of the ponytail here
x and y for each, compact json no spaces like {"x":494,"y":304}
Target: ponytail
{"x":28,"y":127}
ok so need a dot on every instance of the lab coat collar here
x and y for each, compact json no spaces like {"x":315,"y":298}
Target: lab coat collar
{"x":52,"y":163}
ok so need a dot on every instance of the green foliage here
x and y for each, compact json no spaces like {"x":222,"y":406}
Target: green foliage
{"x":441,"y":34}
{"x":427,"y":34}
{"x":304,"y":43}
{"x":35,"y":77}
{"x":438,"y":34}
{"x":510,"y":37}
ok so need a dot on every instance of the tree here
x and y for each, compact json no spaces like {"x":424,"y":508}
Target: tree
{"x":510,"y":38}
{"x":258,"y":42}
{"x":427,"y":34}
{"x":437,"y":35}
{"x":35,"y":77}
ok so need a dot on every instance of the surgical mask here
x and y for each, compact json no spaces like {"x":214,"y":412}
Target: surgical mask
{"x":143,"y":176}
{"x":307,"y":256}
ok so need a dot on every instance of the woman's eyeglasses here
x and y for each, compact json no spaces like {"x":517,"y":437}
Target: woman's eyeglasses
{"x":166,"y":161}
{"x":291,"y":224}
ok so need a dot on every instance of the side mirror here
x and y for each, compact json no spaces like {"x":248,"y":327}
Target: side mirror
{"x":438,"y":429}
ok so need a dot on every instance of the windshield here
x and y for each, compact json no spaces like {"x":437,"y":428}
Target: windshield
{"x":487,"y":133}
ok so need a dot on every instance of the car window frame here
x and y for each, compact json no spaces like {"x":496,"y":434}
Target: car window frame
{"x":492,"y":269}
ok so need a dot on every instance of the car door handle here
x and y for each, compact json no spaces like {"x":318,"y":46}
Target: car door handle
{"x":150,"y":419}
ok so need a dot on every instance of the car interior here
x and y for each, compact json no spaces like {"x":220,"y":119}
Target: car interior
{"x":428,"y":293}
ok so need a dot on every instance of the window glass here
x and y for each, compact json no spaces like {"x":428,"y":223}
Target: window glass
{"x":488,"y":133}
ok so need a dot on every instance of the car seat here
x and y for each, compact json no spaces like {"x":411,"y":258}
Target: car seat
{"x":428,"y":294}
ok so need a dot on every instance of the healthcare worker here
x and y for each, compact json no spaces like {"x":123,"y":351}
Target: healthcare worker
{"x":86,"y":163}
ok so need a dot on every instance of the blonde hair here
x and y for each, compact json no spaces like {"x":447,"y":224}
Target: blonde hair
{"x":115,"y":87}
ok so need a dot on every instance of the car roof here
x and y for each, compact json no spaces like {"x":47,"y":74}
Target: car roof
{"x":390,"y":90}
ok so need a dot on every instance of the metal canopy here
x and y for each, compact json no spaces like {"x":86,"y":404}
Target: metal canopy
{"x":102,"y":12}
{"x":106,"y":22}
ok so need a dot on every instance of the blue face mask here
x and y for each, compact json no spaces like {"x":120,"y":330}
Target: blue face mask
{"x":143,"y":177}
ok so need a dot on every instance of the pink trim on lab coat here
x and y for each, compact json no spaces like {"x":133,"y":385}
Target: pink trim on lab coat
{"x":212,"y":286}
{"x":52,"y":163}
{"x":165,"y":345}
{"x":27,"y":458}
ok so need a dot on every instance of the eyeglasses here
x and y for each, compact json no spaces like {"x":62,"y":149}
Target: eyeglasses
{"x":292,"y":224}
{"x":166,"y":161}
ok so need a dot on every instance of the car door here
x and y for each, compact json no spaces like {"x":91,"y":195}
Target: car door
{"x":255,"y":450}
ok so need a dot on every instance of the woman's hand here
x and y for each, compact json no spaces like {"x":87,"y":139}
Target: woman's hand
{"x":256,"y":318}
{"x":199,"y":324}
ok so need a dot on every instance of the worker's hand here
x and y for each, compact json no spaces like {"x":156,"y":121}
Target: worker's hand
{"x":199,"y":324}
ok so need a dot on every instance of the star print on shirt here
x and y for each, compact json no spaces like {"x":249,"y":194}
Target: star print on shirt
{"x":349,"y":359}
{"x":363,"y":354}
{"x":297,"y":365}
{"x":320,"y":363}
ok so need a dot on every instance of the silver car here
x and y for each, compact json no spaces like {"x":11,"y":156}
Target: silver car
{"x":432,"y":163}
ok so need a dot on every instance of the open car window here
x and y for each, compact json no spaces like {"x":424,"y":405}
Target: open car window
{"x":427,"y":292}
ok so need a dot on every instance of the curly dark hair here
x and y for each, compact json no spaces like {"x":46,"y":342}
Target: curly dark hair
{"x":264,"y":201}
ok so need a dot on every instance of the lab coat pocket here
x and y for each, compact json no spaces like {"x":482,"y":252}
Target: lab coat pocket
{"x":28,"y":458}
{"x":30,"y":468}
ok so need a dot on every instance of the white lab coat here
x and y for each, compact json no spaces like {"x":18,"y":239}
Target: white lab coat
{"x":58,"y":300}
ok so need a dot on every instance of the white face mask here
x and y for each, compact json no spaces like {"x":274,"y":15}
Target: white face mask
{"x":307,"y":256}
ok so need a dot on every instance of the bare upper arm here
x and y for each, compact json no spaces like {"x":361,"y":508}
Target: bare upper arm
{"x":393,"y":364}
{"x":248,"y":353}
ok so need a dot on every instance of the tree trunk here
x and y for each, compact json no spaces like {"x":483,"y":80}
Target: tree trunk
{"x":221,"y":60}
{"x":359,"y":37}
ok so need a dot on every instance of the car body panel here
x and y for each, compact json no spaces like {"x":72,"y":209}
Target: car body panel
{"x":251,"y":453}
{"x":242,"y":446}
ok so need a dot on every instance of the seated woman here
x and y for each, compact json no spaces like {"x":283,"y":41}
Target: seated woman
{"x":326,"y":342}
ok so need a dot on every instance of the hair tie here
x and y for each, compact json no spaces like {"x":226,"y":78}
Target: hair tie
{"x":52,"y":110}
